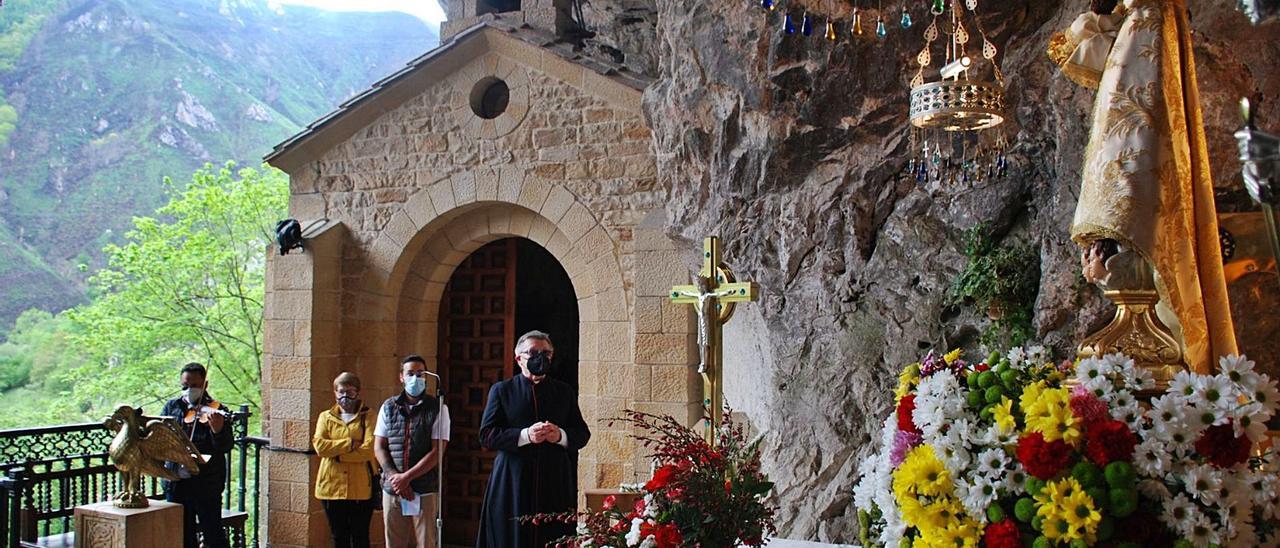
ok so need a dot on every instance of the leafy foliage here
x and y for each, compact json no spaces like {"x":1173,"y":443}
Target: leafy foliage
{"x":1002,"y":280}
{"x":186,"y":286}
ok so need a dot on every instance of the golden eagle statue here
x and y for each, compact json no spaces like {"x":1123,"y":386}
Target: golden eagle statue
{"x":142,"y":445}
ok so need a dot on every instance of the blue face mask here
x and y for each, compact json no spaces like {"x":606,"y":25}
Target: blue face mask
{"x":414,"y":386}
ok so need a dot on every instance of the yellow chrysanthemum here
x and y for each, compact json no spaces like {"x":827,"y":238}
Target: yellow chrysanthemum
{"x":1002,"y":413}
{"x":1048,"y":411}
{"x":952,"y":356}
{"x":1067,"y":512}
{"x":907,"y":381}
{"x":923,"y":474}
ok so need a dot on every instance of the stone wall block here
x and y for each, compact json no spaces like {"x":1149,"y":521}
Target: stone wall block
{"x":615,"y":341}
{"x":663,"y":349}
{"x":464,"y":187}
{"x":534,"y":194}
{"x":442,"y":196}
{"x":511,"y":182}
{"x":648,"y":318}
{"x":557,"y":204}
{"x":486,"y":184}
{"x":577,"y":221}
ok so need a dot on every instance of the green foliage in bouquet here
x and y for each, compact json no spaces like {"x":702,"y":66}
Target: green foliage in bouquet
{"x":699,"y":496}
{"x":1002,"y":280}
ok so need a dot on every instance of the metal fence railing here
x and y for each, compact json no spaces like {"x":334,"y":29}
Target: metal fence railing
{"x":48,"y":471}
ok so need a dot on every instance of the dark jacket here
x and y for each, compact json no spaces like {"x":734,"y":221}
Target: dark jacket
{"x":409,"y":437}
{"x":216,"y":446}
{"x":534,"y":478}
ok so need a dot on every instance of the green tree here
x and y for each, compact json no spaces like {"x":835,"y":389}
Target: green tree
{"x":187,"y":285}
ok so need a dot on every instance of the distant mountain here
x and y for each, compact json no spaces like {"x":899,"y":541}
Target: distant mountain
{"x":103,"y":98}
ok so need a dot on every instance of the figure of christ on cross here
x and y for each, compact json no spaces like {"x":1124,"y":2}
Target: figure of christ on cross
{"x":713,"y":297}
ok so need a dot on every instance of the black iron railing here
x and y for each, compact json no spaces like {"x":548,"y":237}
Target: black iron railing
{"x":48,"y":471}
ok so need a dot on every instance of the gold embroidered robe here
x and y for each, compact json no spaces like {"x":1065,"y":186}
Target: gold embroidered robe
{"x":1146,"y":181}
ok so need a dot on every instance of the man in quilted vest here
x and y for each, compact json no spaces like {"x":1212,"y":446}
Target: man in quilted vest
{"x":409,"y":441}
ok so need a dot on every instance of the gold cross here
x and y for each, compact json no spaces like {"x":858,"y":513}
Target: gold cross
{"x":715,"y":291}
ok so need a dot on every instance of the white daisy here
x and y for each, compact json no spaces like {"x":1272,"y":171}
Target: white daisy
{"x":1038,"y":354}
{"x":1141,"y":379}
{"x":976,"y":495}
{"x":1089,"y":369}
{"x":1117,"y":362}
{"x":1151,"y":458}
{"x":1183,"y":384}
{"x":1017,"y":357}
{"x":1203,"y":414}
{"x":992,"y":462}
{"x":1016,"y":480}
{"x":1252,"y":426}
{"x":956,"y":458}
{"x":1201,"y":532}
{"x":1216,"y":390}
{"x":1154,"y":489}
{"x":1261,"y":487}
{"x":1130,"y":414}
{"x":1167,"y":412}
{"x":1239,"y":370}
{"x":1265,"y":393}
{"x":1179,"y":512}
{"x":1204,"y":483}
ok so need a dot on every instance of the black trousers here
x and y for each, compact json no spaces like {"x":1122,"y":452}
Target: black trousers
{"x":201,"y":502}
{"x":348,"y":522}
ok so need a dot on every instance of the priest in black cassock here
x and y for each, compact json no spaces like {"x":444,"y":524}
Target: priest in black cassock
{"x":534,"y":423}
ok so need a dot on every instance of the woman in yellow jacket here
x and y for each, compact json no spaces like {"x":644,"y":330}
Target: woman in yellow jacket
{"x":344,"y":442}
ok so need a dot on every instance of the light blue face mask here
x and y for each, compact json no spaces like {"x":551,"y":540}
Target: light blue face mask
{"x":414,"y":386}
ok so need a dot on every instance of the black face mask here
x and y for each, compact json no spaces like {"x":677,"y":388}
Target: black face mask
{"x":539,"y":363}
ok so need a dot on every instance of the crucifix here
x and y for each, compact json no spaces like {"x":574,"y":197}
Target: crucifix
{"x":713,"y":295}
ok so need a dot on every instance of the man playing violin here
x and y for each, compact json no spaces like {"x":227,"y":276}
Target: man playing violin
{"x":204,"y":420}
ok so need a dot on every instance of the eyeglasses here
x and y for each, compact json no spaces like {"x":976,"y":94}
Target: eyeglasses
{"x":527,"y":354}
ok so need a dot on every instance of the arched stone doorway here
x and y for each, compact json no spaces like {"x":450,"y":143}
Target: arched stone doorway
{"x":501,"y":290}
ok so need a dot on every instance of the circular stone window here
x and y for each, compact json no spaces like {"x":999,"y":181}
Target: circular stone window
{"x":490,"y":97}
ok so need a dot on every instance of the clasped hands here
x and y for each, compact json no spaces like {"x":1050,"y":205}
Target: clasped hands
{"x":544,"y":432}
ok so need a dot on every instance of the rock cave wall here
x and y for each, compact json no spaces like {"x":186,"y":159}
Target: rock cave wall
{"x":791,"y":150}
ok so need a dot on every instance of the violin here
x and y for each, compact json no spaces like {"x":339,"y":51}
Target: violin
{"x":201,"y":413}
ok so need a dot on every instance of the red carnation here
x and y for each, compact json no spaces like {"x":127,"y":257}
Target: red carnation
{"x":667,"y":535}
{"x":609,"y":501}
{"x":1109,"y":440}
{"x":661,"y":478}
{"x":1087,"y":406}
{"x":1043,"y":459}
{"x":1221,"y":446}
{"x":907,"y":406}
{"x":981,"y":367}
{"x":1003,"y":534}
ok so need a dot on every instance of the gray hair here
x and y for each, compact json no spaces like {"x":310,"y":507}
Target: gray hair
{"x":534,"y":335}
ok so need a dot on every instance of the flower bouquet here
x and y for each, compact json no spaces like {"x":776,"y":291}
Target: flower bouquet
{"x":699,"y":495}
{"x":1017,"y":450}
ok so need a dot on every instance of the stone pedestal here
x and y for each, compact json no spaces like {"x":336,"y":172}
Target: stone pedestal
{"x":102,"y":525}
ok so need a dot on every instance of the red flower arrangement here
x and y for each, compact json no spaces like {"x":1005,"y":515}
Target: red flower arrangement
{"x":1043,"y":459}
{"x":1109,"y":440}
{"x":907,"y":406}
{"x":1222,"y":447}
{"x":700,"y":496}
{"x":1002,"y":534}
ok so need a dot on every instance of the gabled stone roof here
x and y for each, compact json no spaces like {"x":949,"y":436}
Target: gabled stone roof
{"x":386,"y":94}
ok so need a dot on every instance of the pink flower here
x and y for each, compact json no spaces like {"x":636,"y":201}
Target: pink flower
{"x":903,"y":443}
{"x":1087,"y":406}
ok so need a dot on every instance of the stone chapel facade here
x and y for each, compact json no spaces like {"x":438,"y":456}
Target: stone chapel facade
{"x":402,"y":183}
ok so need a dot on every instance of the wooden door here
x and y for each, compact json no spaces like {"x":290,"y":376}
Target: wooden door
{"x":477,"y":333}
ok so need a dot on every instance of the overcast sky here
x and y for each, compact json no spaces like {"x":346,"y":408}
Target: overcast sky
{"x":427,"y":10}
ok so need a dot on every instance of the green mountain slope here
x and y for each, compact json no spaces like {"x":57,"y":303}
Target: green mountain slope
{"x":112,"y":95}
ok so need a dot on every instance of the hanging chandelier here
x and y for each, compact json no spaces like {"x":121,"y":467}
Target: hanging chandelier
{"x":948,"y":115}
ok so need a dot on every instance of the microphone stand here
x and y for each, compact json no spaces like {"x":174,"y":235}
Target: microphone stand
{"x":439,"y":468}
